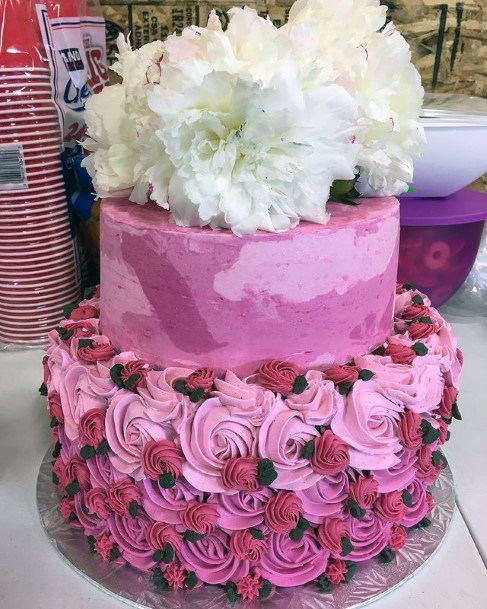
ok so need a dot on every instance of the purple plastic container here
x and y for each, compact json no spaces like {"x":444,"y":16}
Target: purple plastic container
{"x":440,"y":239}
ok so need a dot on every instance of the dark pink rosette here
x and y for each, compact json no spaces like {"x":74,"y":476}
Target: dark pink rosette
{"x":343,"y":374}
{"x":45,"y":370}
{"x":415,"y":311}
{"x":121,"y":494}
{"x":431,"y":502}
{"x":369,"y":424}
{"x":330,"y":535}
{"x":241,"y":510}
{"x":102,"y":472}
{"x":240,"y":474}
{"x":77,"y":470}
{"x":86,"y":311}
{"x":401,"y":354}
{"x":246,"y":547}
{"x":459,"y":355}
{"x":92,"y":428}
{"x":67,"y":508}
{"x":325,"y":498}
{"x":290,"y":563}
{"x":209,"y":438}
{"x":318,"y":402}
{"x":398,"y":476}
{"x":410,"y":430}
{"x":400,"y":289}
{"x":364,"y":491}
{"x":54,"y":407}
{"x":175,"y":574}
{"x":167,"y":504}
{"x":212,"y":560}
{"x":390,"y":507}
{"x":249,"y":586}
{"x":130,"y":534}
{"x":398,"y":538}
{"x":203,"y":378}
{"x":159,"y":534}
{"x":90,"y":522}
{"x":162,"y":457}
{"x":104,"y":545}
{"x":128,"y":429}
{"x":278,"y":376}
{"x":448,"y":398}
{"x":368,"y":536}
{"x":330,"y":456}
{"x":282,"y":439}
{"x":58,"y":470}
{"x":419,"y":504}
{"x":79,"y":329}
{"x":100,"y":351}
{"x":200,"y":517}
{"x":426,"y":470}
{"x":283,"y":512}
{"x":336,"y":571}
{"x":419,"y":330}
{"x":134,"y":372}
{"x":97,"y":502}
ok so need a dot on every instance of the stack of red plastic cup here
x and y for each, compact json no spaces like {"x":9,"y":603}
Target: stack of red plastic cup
{"x":38,"y":267}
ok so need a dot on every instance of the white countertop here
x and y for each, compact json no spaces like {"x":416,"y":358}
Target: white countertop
{"x":34,"y":576}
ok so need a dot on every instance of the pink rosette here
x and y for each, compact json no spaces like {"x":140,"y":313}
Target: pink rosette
{"x":212,"y":560}
{"x":67,"y":508}
{"x":121,"y":494}
{"x":410,"y":430}
{"x":282,"y":439}
{"x":368,"y":536}
{"x":336,"y":571}
{"x":102,"y":472}
{"x":319,"y":401}
{"x":90,"y":523}
{"x":249,"y":586}
{"x":83,"y":389}
{"x":162,"y":457}
{"x":104,"y":545}
{"x":135,"y":369}
{"x":415,"y":311}
{"x":45,"y":370}
{"x":101,"y":351}
{"x":290,"y":563}
{"x":240,"y":474}
{"x":330,"y":535}
{"x":419,"y":330}
{"x":343,"y":374}
{"x":54,"y":407}
{"x":86,"y":311}
{"x":200,"y":517}
{"x":448,"y":398}
{"x":97,"y":502}
{"x":390,"y":507}
{"x":175,"y":574}
{"x":76,"y":469}
{"x":420,"y":504}
{"x":418,"y":388}
{"x":424,"y":465}
{"x":92,"y":428}
{"x":159,"y":534}
{"x":80,"y":329}
{"x":244,"y":397}
{"x":278,"y":376}
{"x":211,"y":437}
{"x":130,"y":534}
{"x":167,"y":504}
{"x":128,"y":430}
{"x":241,"y":510}
{"x":283,"y":512}
{"x":400,"y":354}
{"x":165,"y":404}
{"x":202,"y":378}
{"x":399,"y":475}
{"x":368,"y":423}
{"x":330,"y":455}
{"x":364,"y":491}
{"x":245,"y":546}
{"x":398,"y":538}
{"x":325,"y":498}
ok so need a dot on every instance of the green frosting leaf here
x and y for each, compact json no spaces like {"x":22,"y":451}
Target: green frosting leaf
{"x":168,"y":553}
{"x":296,"y":534}
{"x":132,"y":380}
{"x":191,"y":580}
{"x":73,"y":488}
{"x":133,"y":508}
{"x":231,"y":590}
{"x":345,"y":200}
{"x":57,"y":449}
{"x":54,"y":423}
{"x":426,"y":320}
{"x":430,"y":434}
{"x":87,"y":452}
{"x":448,"y":436}
{"x":300,"y":384}
{"x":351,"y":569}
{"x":69,"y":308}
{"x":420,"y":349}
{"x":309,"y":450}
{"x":387,"y":555}
{"x":355,"y":510}
{"x":324,"y":584}
{"x":72,"y":517}
{"x":160,"y":582}
{"x":345,"y":388}
{"x":266,"y":589}
{"x":346,"y":546}
{"x":341,"y":187}
{"x":91,"y":543}
{"x":85,"y":510}
{"x":196,"y":395}
{"x":114,"y":554}
{"x":115,"y":375}
{"x":89,"y":292}
{"x":436,"y":458}
{"x":166,"y":481}
{"x":409,"y":287}
{"x":417,"y":299}
{"x":85,"y":343}
{"x":192,"y":536}
{"x":180,"y":387}
{"x":157,"y":556}
{"x":456,"y":412}
{"x":256,"y":533}
{"x":43,"y":390}
{"x":303,"y":524}
{"x":55,"y":478}
{"x":425,"y":523}
{"x":366,"y":375}
{"x":407,"y":498}
{"x":102,"y":448}
{"x":266,"y":472}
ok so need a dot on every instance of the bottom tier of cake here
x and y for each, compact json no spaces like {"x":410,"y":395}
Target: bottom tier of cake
{"x":278,"y":479}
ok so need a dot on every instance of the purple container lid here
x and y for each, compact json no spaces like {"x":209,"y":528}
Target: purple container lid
{"x":463,"y":207}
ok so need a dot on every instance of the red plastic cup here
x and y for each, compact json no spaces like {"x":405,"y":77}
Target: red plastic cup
{"x":21,"y":43}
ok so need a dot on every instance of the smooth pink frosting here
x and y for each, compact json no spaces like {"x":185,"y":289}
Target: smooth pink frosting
{"x":325,"y":498}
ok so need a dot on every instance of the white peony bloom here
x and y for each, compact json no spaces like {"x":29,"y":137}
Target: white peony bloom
{"x":134,"y":66}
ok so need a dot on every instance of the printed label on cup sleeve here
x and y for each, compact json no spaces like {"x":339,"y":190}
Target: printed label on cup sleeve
{"x":12,"y":167}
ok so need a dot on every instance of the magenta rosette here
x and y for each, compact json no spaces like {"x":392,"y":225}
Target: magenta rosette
{"x":211,"y":437}
{"x":241,"y":474}
{"x":282,"y":439}
{"x":212,"y":560}
{"x":368,"y":536}
{"x":364,"y":491}
{"x":83,"y":389}
{"x":200,"y":517}
{"x":318,"y":402}
{"x":91,"y":523}
{"x":369,"y":424}
{"x":128,"y":429}
{"x":247,"y":547}
{"x":241,"y":510}
{"x":133,"y":373}
{"x":325,"y":498}
{"x":167,"y":504}
{"x":399,"y":475}
{"x":278,"y":376}
{"x":293,"y":563}
{"x":420,"y":504}
{"x":283,"y":512}
{"x":162,"y":457}
{"x":159,"y":534}
{"x":330,"y":454}
{"x":83,"y":328}
{"x":102,"y":472}
{"x":130,"y":534}
{"x":92,"y":428}
{"x":121,"y":494}
{"x":330,"y":535}
{"x":415,"y":311}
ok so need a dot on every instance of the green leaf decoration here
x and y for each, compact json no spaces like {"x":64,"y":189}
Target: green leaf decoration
{"x":231,"y":590}
{"x":345,"y":200}
{"x":409,"y":287}
{"x":379,"y":351}
{"x":346,"y":546}
{"x":296,"y":534}
{"x":166,"y":481}
{"x":133,"y":508}
{"x":351,"y":569}
{"x":102,"y":448}
{"x":417,"y":299}
{"x":303,"y":524}
{"x":54,"y":423}
{"x":73,"y":488}
{"x":266,"y":472}
{"x":430,"y":434}
{"x":87,"y":452}
{"x":366,"y":375}
{"x":114,"y":554}
{"x":456,"y":412}
{"x":72,"y":517}
{"x":57,"y":449}
{"x":407,"y":498}
{"x":180,"y":387}
{"x":85,"y":510}
{"x":256,"y":533}
{"x":132,"y":380}
{"x":425,"y":523}
{"x":300,"y":384}
{"x":420,"y":349}
{"x":86,"y":343}
{"x":191,"y":580}
{"x":55,"y":479}
{"x":341,"y":187}
{"x":196,"y":395}
{"x":309,"y":450}
{"x":386,"y":556}
{"x":436,"y":458}
{"x":192,"y":536}
{"x":115,"y":372}
{"x":168,"y":553}
{"x":157,"y":556}
{"x":266,"y":589}
{"x":444,"y":461}
{"x":91,"y":543}
{"x":448,"y":436}
{"x":355,"y":510}
{"x":69,"y":308}
{"x":160,"y":582}
{"x":43,"y":390}
{"x":345,"y":388}
{"x":426,"y":320}
{"x":324,"y":584}
{"x":89,"y":292}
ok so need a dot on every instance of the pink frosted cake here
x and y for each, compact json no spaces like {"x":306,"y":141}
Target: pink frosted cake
{"x":249,"y":400}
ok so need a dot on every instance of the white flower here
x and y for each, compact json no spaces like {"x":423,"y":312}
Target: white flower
{"x":135,"y":66}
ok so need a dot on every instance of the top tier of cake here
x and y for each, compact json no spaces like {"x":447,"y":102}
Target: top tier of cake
{"x":316,"y":296}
